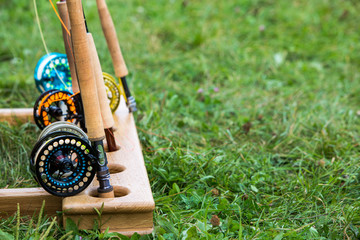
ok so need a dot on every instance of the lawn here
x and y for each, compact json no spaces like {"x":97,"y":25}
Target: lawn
{"x":248,"y":113}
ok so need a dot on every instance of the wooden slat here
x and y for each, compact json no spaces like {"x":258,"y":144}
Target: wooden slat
{"x":16,"y":115}
{"x":30,"y":200}
{"x":129,"y":213}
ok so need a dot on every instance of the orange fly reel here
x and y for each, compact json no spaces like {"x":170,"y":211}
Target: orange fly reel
{"x":56,"y":105}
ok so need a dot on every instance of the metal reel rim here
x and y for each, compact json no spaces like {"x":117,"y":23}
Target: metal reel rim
{"x":63,"y":126}
{"x":36,"y":106}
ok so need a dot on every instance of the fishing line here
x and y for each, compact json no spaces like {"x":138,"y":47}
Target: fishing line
{"x":39,"y":26}
{"x":43,"y":39}
{"x":57,"y":14}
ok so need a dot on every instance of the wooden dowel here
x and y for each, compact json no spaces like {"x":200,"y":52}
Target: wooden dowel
{"x":85,"y":74}
{"x":63,"y":12}
{"x":108,"y":27}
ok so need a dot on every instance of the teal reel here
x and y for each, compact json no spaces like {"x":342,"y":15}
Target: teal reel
{"x":53,"y":72}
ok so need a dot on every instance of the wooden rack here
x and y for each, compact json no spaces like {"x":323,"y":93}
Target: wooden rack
{"x":130,"y":211}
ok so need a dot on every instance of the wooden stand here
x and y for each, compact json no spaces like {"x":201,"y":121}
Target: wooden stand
{"x":15,"y":115}
{"x":130,"y":211}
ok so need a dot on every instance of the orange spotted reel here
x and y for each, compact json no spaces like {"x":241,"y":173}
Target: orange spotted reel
{"x":56,"y":105}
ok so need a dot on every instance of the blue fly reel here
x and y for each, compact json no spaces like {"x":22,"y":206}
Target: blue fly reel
{"x":53,"y":72}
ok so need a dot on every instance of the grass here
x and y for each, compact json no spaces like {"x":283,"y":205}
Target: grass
{"x":248,"y":113}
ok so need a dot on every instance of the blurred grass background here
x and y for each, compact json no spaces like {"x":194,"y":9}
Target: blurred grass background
{"x":248,"y":112}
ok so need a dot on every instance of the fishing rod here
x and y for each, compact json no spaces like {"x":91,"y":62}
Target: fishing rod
{"x":112,"y":88}
{"x":64,"y":16}
{"x":107,"y":118}
{"x":65,"y":158}
{"x":55,"y":77}
{"x":88,"y":88}
{"x":120,"y":68}
{"x":45,"y":115}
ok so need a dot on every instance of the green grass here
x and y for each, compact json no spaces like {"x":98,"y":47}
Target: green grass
{"x":273,"y":154}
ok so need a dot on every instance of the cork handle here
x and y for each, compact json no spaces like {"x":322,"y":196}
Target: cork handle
{"x":86,"y":78}
{"x":63,"y":12}
{"x":107,"y":117}
{"x":108,"y":27}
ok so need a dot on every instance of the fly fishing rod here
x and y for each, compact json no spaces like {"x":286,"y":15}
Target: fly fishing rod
{"x":89,"y":93}
{"x":64,"y":16}
{"x":105,"y":110}
{"x":65,"y":159}
{"x":120,"y":68}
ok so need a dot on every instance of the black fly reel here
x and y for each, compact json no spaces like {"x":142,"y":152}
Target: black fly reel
{"x":56,"y":105}
{"x":63,"y":161}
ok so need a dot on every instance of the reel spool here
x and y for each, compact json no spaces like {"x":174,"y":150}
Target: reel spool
{"x":63,"y":126}
{"x":62,"y":161}
{"x":113,"y":91}
{"x":53,"y":72}
{"x":55,"y":105}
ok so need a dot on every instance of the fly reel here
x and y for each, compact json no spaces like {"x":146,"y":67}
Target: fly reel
{"x":113,"y":90}
{"x":53,"y":72}
{"x":62,"y":161}
{"x":56,"y":105}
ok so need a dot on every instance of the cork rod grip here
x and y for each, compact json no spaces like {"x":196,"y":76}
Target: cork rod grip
{"x":85,"y":73}
{"x":108,"y":27}
{"x":63,"y":12}
{"x":106,"y":114}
